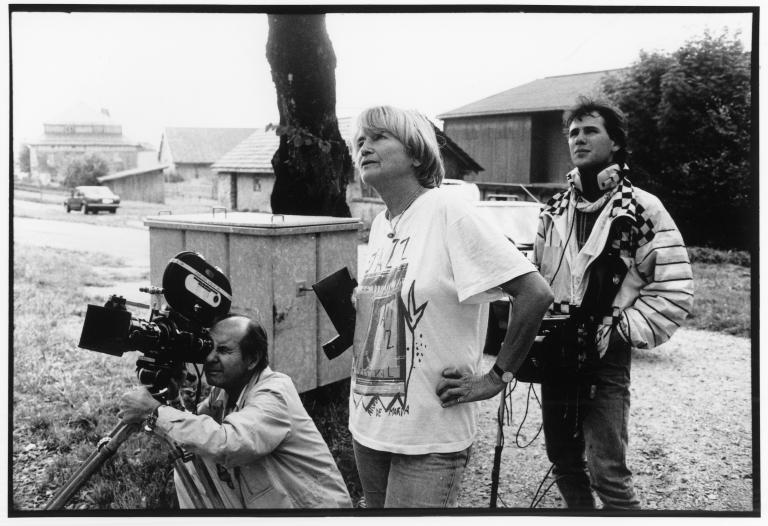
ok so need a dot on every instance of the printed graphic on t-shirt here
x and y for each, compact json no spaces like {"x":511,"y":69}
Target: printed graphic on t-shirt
{"x":385,"y":334}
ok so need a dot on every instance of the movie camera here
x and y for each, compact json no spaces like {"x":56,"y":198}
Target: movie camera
{"x":196,"y":293}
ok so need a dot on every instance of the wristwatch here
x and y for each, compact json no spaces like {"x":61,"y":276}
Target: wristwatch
{"x":505,"y":376}
{"x":151,"y":421}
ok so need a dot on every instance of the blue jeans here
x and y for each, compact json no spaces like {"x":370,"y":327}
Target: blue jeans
{"x":586,"y":433}
{"x":392,"y":480}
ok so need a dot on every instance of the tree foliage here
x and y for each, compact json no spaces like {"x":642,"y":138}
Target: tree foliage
{"x":312,"y":163}
{"x":690,"y":136}
{"x":23,"y":158}
{"x":85,"y":170}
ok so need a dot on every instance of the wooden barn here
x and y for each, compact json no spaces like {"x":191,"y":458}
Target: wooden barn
{"x":140,"y":184}
{"x":518,"y":136}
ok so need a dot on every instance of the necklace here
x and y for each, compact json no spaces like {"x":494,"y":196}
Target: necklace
{"x":399,"y":216}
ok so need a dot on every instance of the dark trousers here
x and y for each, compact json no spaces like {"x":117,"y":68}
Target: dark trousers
{"x":586,"y":432}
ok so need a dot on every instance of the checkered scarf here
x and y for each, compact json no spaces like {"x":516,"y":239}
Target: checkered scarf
{"x":619,"y":191}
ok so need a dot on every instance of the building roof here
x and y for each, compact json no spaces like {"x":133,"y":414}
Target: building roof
{"x":547,"y":94}
{"x":202,"y":145}
{"x":135,"y":171}
{"x":84,"y":140}
{"x":82,"y":113}
{"x":254,"y":154}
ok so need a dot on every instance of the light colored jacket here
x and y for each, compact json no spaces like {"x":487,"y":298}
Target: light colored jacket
{"x":657,"y":292}
{"x":267,"y":447}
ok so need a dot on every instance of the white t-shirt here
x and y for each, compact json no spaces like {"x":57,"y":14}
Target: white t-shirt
{"x":422,"y":306}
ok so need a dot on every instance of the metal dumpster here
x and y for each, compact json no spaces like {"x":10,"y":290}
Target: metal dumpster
{"x":271,"y":261}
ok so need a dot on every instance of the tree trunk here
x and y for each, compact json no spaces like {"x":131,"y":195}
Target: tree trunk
{"x":312,"y":164}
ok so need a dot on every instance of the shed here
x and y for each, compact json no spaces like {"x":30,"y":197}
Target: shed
{"x":140,"y":184}
{"x":190,"y":152}
{"x":517,"y":135}
{"x":246,"y":177}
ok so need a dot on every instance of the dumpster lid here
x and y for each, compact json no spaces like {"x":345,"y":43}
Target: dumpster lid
{"x":251,"y":220}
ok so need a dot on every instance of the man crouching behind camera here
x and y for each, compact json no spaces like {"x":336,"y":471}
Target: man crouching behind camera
{"x":252,"y":434}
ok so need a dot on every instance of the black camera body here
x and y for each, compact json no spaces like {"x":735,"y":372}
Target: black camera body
{"x":196,"y":292}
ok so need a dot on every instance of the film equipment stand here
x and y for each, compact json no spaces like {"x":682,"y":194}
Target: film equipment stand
{"x":499,"y":447}
{"x":107,"y":447}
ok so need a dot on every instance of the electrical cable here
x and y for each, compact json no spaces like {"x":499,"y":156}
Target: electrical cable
{"x":538,"y":489}
{"x":565,"y":247}
{"x":198,"y":387}
{"x":504,"y":412}
{"x":535,"y":502}
{"x":525,"y":415}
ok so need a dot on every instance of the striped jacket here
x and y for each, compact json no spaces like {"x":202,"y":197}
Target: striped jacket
{"x":657,"y":292}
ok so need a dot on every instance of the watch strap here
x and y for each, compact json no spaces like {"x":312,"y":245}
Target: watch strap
{"x":505,"y":376}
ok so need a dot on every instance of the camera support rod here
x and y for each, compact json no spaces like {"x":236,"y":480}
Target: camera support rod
{"x":499,"y":447}
{"x":104,"y":450}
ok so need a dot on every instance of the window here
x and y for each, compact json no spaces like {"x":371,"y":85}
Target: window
{"x":256,"y":183}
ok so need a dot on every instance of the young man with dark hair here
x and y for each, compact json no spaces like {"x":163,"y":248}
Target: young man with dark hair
{"x":252,"y":436}
{"x":618,"y":267}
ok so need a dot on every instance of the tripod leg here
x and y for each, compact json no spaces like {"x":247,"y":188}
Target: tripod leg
{"x":189,"y":483}
{"x":106,"y":449}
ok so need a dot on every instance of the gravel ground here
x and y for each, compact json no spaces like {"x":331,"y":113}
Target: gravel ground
{"x":690,"y":432}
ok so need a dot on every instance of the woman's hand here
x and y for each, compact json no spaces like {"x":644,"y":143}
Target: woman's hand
{"x":137,"y":405}
{"x":457,"y":388}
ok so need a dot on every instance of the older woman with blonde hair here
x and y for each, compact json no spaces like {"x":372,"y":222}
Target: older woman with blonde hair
{"x":422,"y":308}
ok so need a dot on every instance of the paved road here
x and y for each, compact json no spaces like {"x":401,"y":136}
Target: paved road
{"x":131,"y":244}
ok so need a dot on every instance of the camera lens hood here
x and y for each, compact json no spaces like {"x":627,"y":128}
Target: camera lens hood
{"x":196,"y":289}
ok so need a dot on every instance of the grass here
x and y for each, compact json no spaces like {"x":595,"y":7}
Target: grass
{"x":65,"y":398}
{"x":722,"y":299}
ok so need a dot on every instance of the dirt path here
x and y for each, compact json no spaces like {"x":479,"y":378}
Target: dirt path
{"x":690,"y":432}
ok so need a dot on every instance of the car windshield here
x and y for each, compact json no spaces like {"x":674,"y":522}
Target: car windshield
{"x":98,"y":191}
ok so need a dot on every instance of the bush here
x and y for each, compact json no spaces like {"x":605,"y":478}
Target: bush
{"x":690,"y":136}
{"x":711,"y":255}
{"x":85,"y":170}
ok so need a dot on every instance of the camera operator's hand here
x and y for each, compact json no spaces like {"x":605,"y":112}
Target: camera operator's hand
{"x":457,"y":388}
{"x":137,"y":405}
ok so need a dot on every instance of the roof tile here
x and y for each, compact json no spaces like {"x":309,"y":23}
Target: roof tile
{"x":549,"y":93}
{"x":203,"y":145}
{"x":254,"y":154}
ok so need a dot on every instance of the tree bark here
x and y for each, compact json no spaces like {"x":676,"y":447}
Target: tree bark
{"x":312,"y":164}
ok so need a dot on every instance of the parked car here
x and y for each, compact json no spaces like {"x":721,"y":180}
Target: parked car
{"x":518,"y":220}
{"x":92,"y":199}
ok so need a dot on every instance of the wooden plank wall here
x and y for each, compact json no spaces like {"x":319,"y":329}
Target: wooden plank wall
{"x":500,"y":144}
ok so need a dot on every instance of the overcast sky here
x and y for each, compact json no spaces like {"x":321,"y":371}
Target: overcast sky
{"x":210,"y":69}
